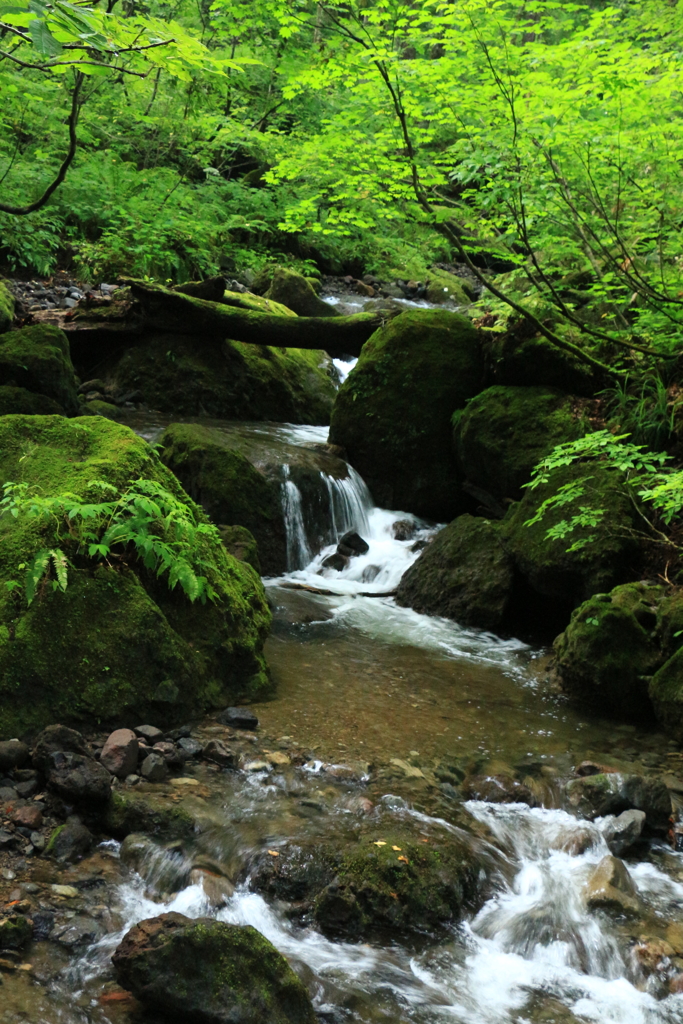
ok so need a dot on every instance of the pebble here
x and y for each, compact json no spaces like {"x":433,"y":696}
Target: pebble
{"x":8,"y":874}
{"x":184,"y":781}
{"x":37,"y":841}
{"x":64,"y":890}
{"x":256,"y":766}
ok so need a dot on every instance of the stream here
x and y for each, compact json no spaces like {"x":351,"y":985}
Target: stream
{"x":390,"y":705}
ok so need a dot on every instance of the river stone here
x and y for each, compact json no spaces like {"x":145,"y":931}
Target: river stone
{"x":13,"y":754}
{"x":610,"y":887}
{"x":598,"y":795}
{"x":464,"y":574}
{"x":149,"y":733}
{"x":136,"y":812}
{"x":497,"y":789}
{"x":216,"y":751}
{"x":190,"y":747}
{"x":154,"y":768}
{"x":210,"y":972}
{"x":15,"y":931}
{"x":622,"y":831}
{"x":239,"y":718}
{"x":30,"y":817}
{"x":78,"y":779}
{"x":352,"y":544}
{"x":120,"y":753}
{"x":54,"y":738}
{"x":70,"y":842}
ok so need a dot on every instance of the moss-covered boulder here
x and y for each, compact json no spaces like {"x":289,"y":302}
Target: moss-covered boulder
{"x":229,"y":488}
{"x":522,"y":361}
{"x":241,"y":544}
{"x":504,"y":431}
{"x":464,"y":574}
{"x":97,"y":407}
{"x":295,"y":292}
{"x":209,"y":971}
{"x":185,"y":376}
{"x":117,"y":646}
{"x":441,"y":286}
{"x":149,"y":813}
{"x":6,"y":306}
{"x":393,"y":412}
{"x":37,"y":358}
{"x":550,"y":567}
{"x":15,"y":400}
{"x":606,"y":654}
{"x":666,"y":694}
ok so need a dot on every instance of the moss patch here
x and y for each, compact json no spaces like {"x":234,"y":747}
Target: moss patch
{"x":118,"y":646}
{"x":393,"y":412}
{"x":128,"y":813}
{"x":18,"y":400}
{"x":6,"y":306}
{"x":296,"y":293}
{"x":37,"y":358}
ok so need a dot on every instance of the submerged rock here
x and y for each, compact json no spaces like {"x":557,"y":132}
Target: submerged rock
{"x":465,"y":574}
{"x":393,"y":412}
{"x":210,"y":972}
{"x":117,"y":645}
{"x":623,"y":831}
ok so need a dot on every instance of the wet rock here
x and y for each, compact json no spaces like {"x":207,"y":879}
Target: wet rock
{"x":154,"y":768}
{"x":652,"y":954}
{"x":120,"y":753}
{"x":370,"y":573}
{"x":465,"y":574}
{"x":149,"y":733}
{"x":352,"y":544}
{"x":190,"y":747}
{"x":8,"y":794}
{"x":170,"y":753}
{"x":610,"y":887}
{"x":25,"y":790}
{"x":135,"y":848}
{"x":403,"y":529}
{"x":43,"y":923}
{"x":239,"y":718}
{"x":79,"y":931}
{"x":621,"y":832}
{"x":497,"y":789}
{"x":70,"y":843}
{"x":15,"y":931}
{"x":598,"y":795}
{"x":55,"y":738}
{"x":78,"y":779}
{"x":574,"y":841}
{"x":133,"y":812}
{"x":13,"y":754}
{"x":218,"y":890}
{"x":209,"y":971}
{"x":335,"y":561}
{"x":216,"y":751}
{"x":30,"y":817}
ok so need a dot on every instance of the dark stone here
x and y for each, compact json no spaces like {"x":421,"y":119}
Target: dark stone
{"x":403,"y":529}
{"x":598,"y":795}
{"x":26,"y":790}
{"x":352,"y":544}
{"x":209,"y":972}
{"x":335,"y":561}
{"x":222,"y":755}
{"x":154,"y":768}
{"x":150,"y":733}
{"x":497,"y":789}
{"x":56,"y":738}
{"x":78,"y":779}
{"x":239,"y":718}
{"x":13,"y":754}
{"x":43,"y":923}
{"x":70,"y":842}
{"x":190,"y":747}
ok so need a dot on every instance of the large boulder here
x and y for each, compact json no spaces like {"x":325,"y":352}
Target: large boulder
{"x":117,"y":645}
{"x":231,"y":490}
{"x":38,"y":359}
{"x":295,"y":292}
{"x":185,"y":375}
{"x":504,"y":431}
{"x":393,"y":412}
{"x":209,"y":972}
{"x":522,"y":360}
{"x":596,"y":796}
{"x":464,"y":574}
{"x":6,"y":306}
{"x":591,"y":559}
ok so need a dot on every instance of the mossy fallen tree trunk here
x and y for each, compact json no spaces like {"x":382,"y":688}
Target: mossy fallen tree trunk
{"x":175,"y":312}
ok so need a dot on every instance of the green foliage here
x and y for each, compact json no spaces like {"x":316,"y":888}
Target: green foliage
{"x":145,"y":521}
{"x":644,"y":407}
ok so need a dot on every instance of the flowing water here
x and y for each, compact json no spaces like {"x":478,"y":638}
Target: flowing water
{"x":408,"y":703}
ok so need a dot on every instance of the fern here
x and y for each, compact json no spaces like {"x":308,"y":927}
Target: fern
{"x":145,"y":521}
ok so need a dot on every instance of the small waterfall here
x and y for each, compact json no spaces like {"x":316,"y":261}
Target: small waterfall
{"x":299,"y":553}
{"x":350,"y":503}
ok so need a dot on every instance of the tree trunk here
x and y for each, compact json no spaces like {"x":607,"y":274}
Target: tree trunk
{"x":177,"y":313}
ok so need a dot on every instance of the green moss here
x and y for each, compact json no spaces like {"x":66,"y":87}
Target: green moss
{"x":247,"y":300}
{"x":54,"y":835}
{"x":666,"y":694}
{"x":464,"y":574}
{"x":241,"y":544}
{"x":128,"y":813}
{"x":107,"y":409}
{"x":106,"y":648}
{"x":445,"y":287}
{"x":181,"y":375}
{"x":296,"y":293}
{"x":16,"y":931}
{"x":605,"y":653}
{"x":18,"y":400}
{"x":230,"y":489}
{"x":37,"y":358}
{"x":503,"y":432}
{"x":6,"y":307}
{"x":548,"y":566}
{"x":393,"y":412}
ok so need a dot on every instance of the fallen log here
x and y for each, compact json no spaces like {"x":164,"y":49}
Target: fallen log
{"x":291,"y":585}
{"x":172,"y":311}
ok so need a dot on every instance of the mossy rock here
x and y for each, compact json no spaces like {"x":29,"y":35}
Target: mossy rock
{"x":99,"y":408}
{"x":229,"y":488}
{"x":241,"y":544}
{"x":393,"y":412}
{"x":666,"y":694}
{"x":209,"y":971}
{"x":15,"y":400}
{"x":131,"y":812}
{"x":535,"y":362}
{"x":606,"y":654}
{"x":38,"y":359}
{"x":296,"y":293}
{"x":445,"y":287}
{"x":117,"y":646}
{"x":464,"y":574}
{"x":548,"y":566}
{"x":184,"y":376}
{"x":6,"y":306}
{"x":502,"y":433}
